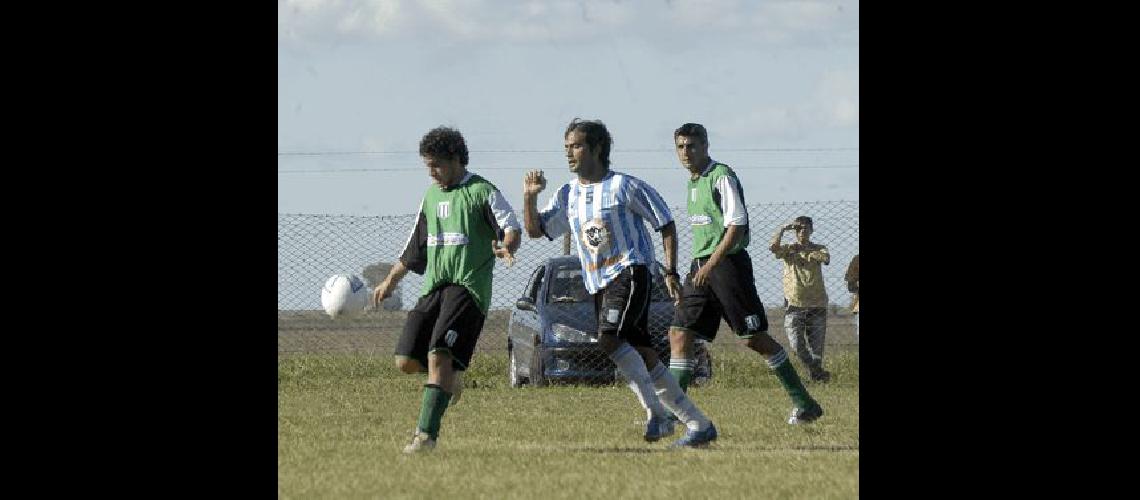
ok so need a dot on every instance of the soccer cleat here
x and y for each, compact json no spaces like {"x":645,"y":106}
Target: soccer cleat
{"x":696,"y":439}
{"x":658,"y":427}
{"x":822,"y":376}
{"x":801,"y":416}
{"x":456,"y":388}
{"x":421,"y":442}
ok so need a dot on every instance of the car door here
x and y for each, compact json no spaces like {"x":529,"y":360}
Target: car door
{"x":524,"y":325}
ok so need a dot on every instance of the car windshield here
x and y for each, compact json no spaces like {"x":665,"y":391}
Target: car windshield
{"x":567,"y":286}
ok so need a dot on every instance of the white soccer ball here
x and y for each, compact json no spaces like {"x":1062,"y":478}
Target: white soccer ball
{"x":345,"y":295}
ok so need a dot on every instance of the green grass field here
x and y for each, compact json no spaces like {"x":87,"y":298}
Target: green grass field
{"x":344,"y":419}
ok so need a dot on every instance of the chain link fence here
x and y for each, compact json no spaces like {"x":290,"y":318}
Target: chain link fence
{"x":310,"y":248}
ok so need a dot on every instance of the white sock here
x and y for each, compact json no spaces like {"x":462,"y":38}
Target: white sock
{"x":670,"y":394}
{"x":633,"y":387}
{"x":631,"y":364}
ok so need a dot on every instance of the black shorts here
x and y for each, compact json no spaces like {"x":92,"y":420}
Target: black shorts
{"x":447,"y":319}
{"x":622,"y":307}
{"x":729,"y":293}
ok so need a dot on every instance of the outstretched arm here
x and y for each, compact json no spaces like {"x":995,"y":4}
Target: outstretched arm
{"x":775,"y":246}
{"x":385,"y":289}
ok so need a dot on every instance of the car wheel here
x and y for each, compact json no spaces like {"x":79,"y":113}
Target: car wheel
{"x":537,"y":375}
{"x":513,"y":371}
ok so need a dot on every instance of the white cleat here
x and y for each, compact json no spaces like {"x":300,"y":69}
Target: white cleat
{"x":421,"y":442}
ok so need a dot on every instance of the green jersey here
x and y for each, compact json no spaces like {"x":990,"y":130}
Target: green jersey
{"x":451,"y":241}
{"x":716,"y":201}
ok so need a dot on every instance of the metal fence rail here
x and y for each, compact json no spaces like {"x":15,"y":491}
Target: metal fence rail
{"x":310,"y":248}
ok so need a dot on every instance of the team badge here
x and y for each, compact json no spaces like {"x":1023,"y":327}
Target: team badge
{"x":752,"y":322}
{"x":443,"y":209}
{"x":596,"y":236}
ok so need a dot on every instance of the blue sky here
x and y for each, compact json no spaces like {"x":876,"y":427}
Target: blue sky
{"x":775,"y":82}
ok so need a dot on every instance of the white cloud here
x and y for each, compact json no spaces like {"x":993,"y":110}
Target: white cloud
{"x":372,"y":16}
{"x":307,"y":20}
{"x":780,"y":22}
{"x":834,"y":105}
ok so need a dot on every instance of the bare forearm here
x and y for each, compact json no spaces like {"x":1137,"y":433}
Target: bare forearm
{"x":776,"y":239}
{"x":396,"y":273}
{"x":530,"y":215}
{"x":731,"y":235}
{"x":819,"y":255}
{"x":669,"y":242}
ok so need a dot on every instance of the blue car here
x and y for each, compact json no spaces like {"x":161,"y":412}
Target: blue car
{"x":552,"y":333}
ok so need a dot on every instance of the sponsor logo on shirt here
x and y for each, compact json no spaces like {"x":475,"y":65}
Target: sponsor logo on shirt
{"x":446,"y":239}
{"x":700,"y":220}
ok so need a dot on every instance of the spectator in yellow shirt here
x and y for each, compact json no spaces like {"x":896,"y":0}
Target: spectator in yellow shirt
{"x":805,"y":298}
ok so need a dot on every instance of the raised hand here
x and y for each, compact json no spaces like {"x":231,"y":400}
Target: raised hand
{"x":534,"y":182}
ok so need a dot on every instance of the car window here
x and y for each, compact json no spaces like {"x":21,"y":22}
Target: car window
{"x":567,"y":286}
{"x":534,"y":283}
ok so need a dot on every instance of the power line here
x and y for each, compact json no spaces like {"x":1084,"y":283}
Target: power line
{"x":662,"y":150}
{"x":410,"y":169}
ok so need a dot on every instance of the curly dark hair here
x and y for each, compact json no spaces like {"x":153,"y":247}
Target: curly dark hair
{"x":692,"y":130}
{"x":444,"y":143}
{"x":596,"y":136}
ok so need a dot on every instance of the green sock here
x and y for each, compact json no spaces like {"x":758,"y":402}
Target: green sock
{"x":683,"y":373}
{"x":431,"y":411}
{"x":791,"y":382}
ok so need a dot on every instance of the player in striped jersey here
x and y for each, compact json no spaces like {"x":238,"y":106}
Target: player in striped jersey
{"x":453,"y":244}
{"x":606,"y":212}
{"x":720,"y":282}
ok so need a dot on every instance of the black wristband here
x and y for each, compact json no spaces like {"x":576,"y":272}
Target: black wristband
{"x":672,"y":272}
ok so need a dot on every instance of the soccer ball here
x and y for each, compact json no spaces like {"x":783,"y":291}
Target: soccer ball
{"x":345,"y":295}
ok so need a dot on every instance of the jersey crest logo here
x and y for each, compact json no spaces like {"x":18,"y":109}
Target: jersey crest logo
{"x":443,"y":209}
{"x":693,"y":195}
{"x":752,"y":322}
{"x":596,"y":236}
{"x":450,"y":338}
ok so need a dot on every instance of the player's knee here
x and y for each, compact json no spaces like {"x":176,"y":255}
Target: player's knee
{"x":678,"y":334}
{"x":680,"y":340}
{"x":409,"y":365}
{"x":762,"y":343}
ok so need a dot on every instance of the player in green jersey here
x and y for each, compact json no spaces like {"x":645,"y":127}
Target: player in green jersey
{"x":720,"y":282}
{"x":454,"y":243}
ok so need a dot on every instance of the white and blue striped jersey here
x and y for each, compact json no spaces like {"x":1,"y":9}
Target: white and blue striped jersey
{"x":607,"y":219}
